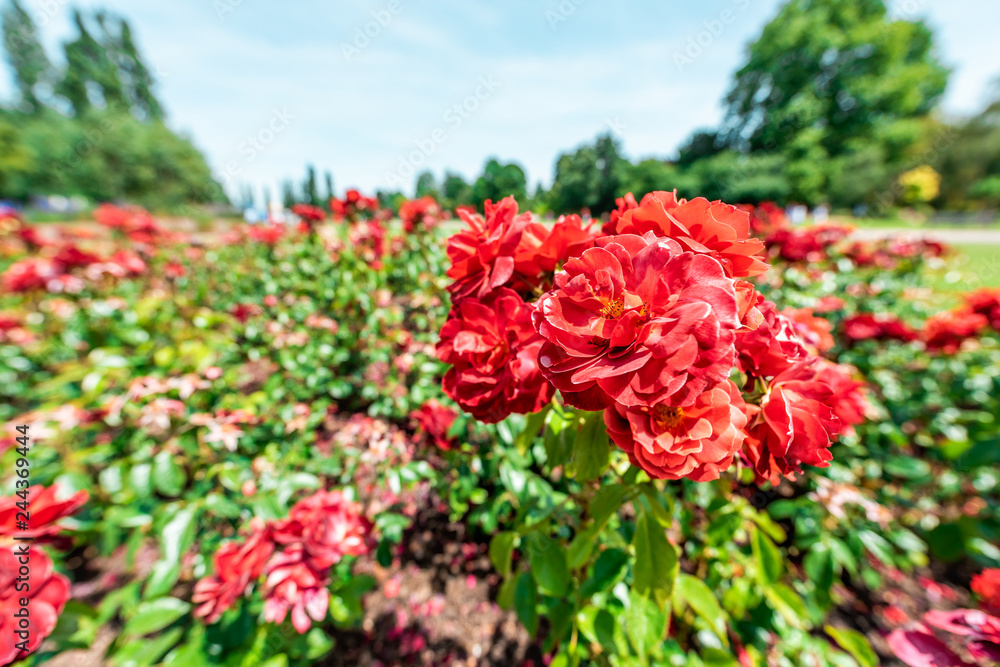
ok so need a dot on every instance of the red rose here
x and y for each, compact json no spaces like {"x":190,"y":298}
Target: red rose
{"x":293,"y":585}
{"x":29,"y":274}
{"x":482,"y":255}
{"x":47,"y":595}
{"x":986,"y":302}
{"x":866,"y":326}
{"x":636,"y":320}
{"x":947,"y":331}
{"x":267,"y":234}
{"x":623,"y":204}
{"x":45,"y":509}
{"x":328,"y":525}
{"x":671,"y":441}
{"x":814,"y":331}
{"x":435,"y":420}
{"x":543,"y":249}
{"x":848,"y":398}
{"x":794,"y":425}
{"x":772,"y":347}
{"x":423,"y":213}
{"x":236,"y":565}
{"x":699,"y":225}
{"x":986,"y":585}
{"x":493,"y":350}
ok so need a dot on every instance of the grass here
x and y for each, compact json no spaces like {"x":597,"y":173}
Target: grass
{"x":971,"y":267}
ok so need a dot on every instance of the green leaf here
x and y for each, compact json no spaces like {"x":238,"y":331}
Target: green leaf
{"x":606,"y":502}
{"x":548,"y":564}
{"x":147,"y":651}
{"x":178,"y":534}
{"x":162,"y":578}
{"x":155,"y":615}
{"x":168,"y":477}
{"x":558,"y":445}
{"x":656,"y":564}
{"x":607,"y":570}
{"x":788,"y":603}
{"x":854,"y":643}
{"x":526,"y":602}
{"x":696,"y":594}
{"x":818,"y":564}
{"x":591,"y":450}
{"x":767,"y":555}
{"x":644,"y":623}
{"x":660,"y":513}
{"x":532,"y":426}
{"x":581,"y":547}
{"x":501,"y":551}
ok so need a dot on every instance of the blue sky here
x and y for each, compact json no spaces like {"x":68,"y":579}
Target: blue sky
{"x":264,"y":88}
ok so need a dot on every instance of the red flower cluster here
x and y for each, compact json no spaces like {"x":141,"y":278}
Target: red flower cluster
{"x":889,"y":253}
{"x":368,"y":241}
{"x":720,"y":230}
{"x":48,"y":591}
{"x":423,"y":214}
{"x":947,"y":330}
{"x":767,"y":217}
{"x":267,"y":234}
{"x":435,"y":420}
{"x":134,"y":222}
{"x":986,"y":585}
{"x":46,"y":595}
{"x":353,"y":206}
{"x":309,"y":216}
{"x":647,"y":324}
{"x":805,"y":404}
{"x":808,"y":244}
{"x":917,"y":645}
{"x":814,"y":331}
{"x":868,"y":326}
{"x":493,"y":350}
{"x":986,"y":302}
{"x":294,"y":555}
{"x":46,"y":512}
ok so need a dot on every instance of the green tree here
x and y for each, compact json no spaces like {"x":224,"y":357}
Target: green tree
{"x":25,"y":54}
{"x":426,"y":185}
{"x":140,"y":79}
{"x":287,"y":194}
{"x":310,"y":192}
{"x":328,"y":178}
{"x":88,"y":65}
{"x":839,"y":66}
{"x":456,"y":191}
{"x":499,"y":181}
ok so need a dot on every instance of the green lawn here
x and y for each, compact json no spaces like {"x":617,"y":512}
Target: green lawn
{"x":971,"y":267}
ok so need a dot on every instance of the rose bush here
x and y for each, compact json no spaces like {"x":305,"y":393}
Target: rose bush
{"x":667,"y":451}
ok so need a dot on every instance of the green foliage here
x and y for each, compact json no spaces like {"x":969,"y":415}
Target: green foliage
{"x":499,"y":181}
{"x":25,"y":54}
{"x":116,"y":146}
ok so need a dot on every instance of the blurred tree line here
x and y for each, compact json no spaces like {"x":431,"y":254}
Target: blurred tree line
{"x":93,"y":126}
{"x":835,"y":102}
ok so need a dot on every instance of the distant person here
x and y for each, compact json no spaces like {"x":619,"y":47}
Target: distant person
{"x":821,"y":215}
